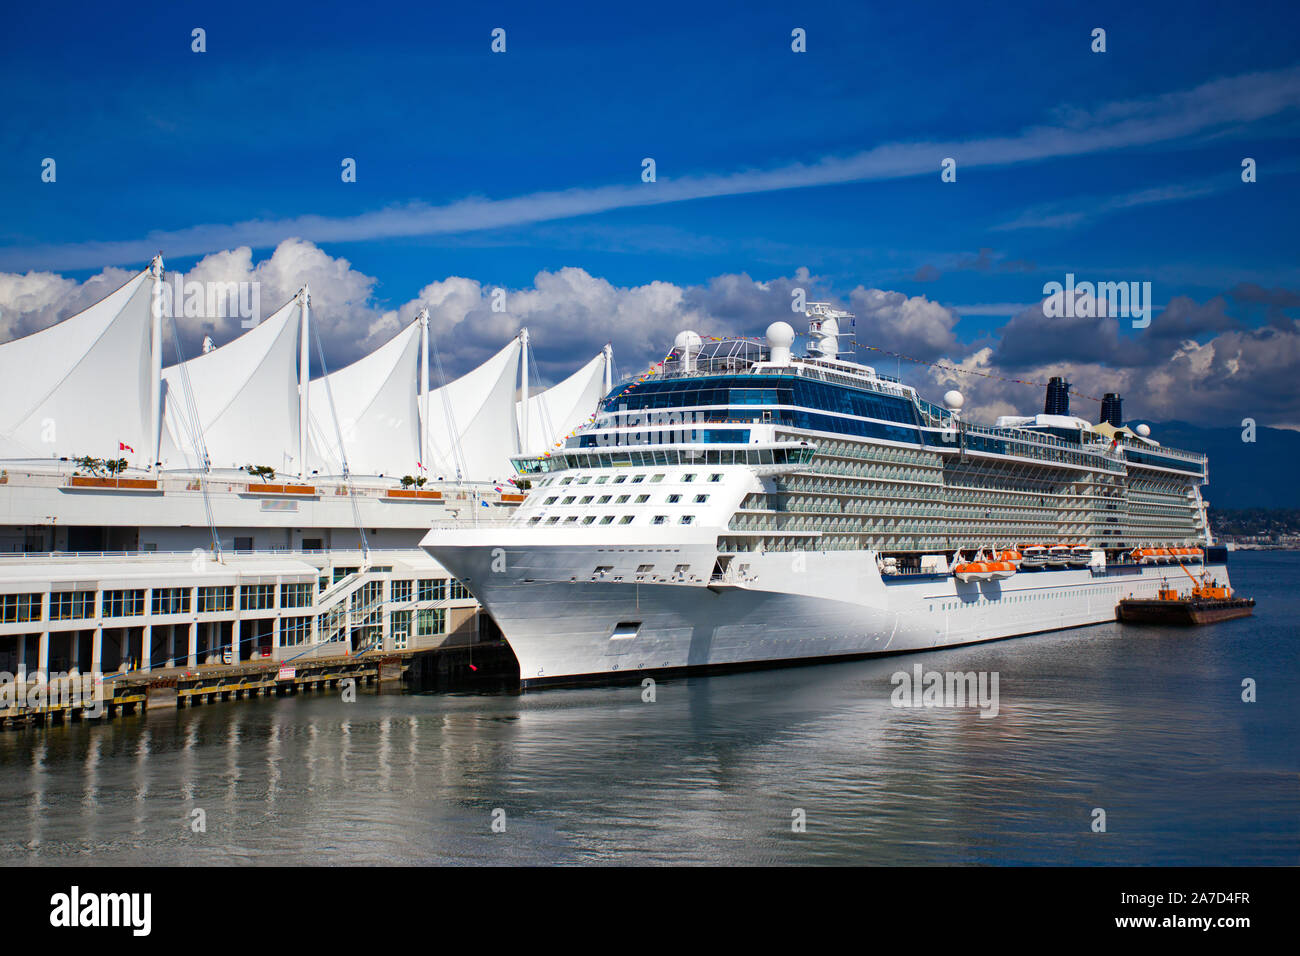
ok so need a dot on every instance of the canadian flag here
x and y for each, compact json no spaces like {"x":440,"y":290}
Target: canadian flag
{"x":123,"y":446}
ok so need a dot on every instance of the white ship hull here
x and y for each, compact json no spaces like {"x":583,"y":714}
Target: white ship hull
{"x":787,"y":607}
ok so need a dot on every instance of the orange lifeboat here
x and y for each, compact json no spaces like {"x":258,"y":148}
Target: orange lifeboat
{"x":1011,"y":555}
{"x":972,"y":571}
{"x":1000,"y":570}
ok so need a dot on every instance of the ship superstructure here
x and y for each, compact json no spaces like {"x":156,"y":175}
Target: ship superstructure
{"x":746,"y":505}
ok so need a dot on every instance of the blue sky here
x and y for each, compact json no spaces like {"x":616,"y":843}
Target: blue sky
{"x":1122,"y":165}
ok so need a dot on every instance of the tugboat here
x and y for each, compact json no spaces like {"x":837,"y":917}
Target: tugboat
{"x":1207,"y":604}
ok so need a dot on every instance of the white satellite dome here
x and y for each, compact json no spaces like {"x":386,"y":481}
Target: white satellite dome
{"x":953,"y":399}
{"x":1143,"y":430}
{"x":780,"y":334}
{"x":687,"y":340}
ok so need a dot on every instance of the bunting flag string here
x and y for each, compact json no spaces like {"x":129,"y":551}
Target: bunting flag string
{"x":967,"y":371}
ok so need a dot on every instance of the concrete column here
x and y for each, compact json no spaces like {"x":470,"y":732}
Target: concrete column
{"x":22,"y":657}
{"x":43,"y":654}
{"x":193,"y":657}
{"x":75,"y":663}
{"x":234,"y":641}
{"x":146,"y":648}
{"x":97,"y":650}
{"x":275,"y":639}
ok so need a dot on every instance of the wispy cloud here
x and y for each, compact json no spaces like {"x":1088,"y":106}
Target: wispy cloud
{"x":1168,"y":117}
{"x":1079,"y":211}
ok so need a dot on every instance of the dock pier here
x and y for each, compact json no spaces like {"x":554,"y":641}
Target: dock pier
{"x":172,"y":688}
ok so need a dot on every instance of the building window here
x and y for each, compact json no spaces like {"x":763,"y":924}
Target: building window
{"x":586,"y":500}
{"x":604,"y":500}
{"x":243,"y":544}
{"x":660,"y":519}
{"x":433,"y":589}
{"x":700,"y":499}
{"x":399,"y":628}
{"x":459,"y":592}
{"x":20,"y":608}
{"x":673,"y":499}
{"x":295,"y":631}
{"x":431,"y":622}
{"x":688,"y":519}
{"x":715,"y":477}
{"x":637,"y":479}
{"x":400,"y":592}
{"x":217,"y":599}
{"x":254,"y":597}
{"x":608,"y":519}
{"x":690,"y":477}
{"x":295,"y":595}
{"x":171,"y":600}
{"x":626,"y":519}
{"x":622,"y":499}
{"x":589,"y":519}
{"x":656,"y":479}
{"x":569,"y":500}
{"x":71,"y":605}
{"x":551,"y":500}
{"x":123,"y":603}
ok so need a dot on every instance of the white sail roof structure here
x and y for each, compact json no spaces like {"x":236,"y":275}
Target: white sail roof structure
{"x":375,"y":399}
{"x":245,"y":395}
{"x":472,"y":425}
{"x":81,"y":387}
{"x":93,"y":385}
{"x":557,"y":411}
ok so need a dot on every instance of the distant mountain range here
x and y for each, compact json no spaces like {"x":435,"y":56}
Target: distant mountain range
{"x":1262,"y":474}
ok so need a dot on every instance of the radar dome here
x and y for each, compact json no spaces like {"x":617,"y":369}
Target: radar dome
{"x":687,"y":340}
{"x":780,"y":334}
{"x":953,"y":399}
{"x":1143,"y":430}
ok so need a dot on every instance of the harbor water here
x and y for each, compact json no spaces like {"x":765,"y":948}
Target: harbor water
{"x":804,"y":765}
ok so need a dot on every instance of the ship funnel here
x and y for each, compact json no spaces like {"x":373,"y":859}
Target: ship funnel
{"x":1058,"y":397}
{"x":1112,"y":409}
{"x":780,"y":336}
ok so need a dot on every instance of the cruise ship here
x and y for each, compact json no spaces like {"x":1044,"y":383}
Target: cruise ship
{"x":745,"y":506}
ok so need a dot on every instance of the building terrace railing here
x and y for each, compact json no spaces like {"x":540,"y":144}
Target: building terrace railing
{"x":58,"y":477}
